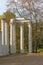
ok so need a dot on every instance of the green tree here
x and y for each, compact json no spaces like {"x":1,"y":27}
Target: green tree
{"x":8,"y":15}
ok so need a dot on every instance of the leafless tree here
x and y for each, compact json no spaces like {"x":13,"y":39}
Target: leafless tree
{"x":26,"y":8}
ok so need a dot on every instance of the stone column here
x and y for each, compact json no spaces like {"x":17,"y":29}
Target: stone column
{"x":30,"y":37}
{"x":0,"y":43}
{"x":3,"y":35}
{"x":21,"y":38}
{"x":6,"y":48}
{"x":12,"y":37}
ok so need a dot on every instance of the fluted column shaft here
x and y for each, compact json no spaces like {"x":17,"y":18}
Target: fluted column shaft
{"x":21,"y":38}
{"x":30,"y":37}
{"x":12,"y":37}
{"x":5,"y":50}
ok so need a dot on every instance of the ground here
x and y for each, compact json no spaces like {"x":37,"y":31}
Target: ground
{"x":22,"y":59}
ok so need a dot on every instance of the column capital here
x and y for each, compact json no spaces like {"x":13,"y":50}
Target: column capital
{"x":12,"y":21}
{"x":3,"y":20}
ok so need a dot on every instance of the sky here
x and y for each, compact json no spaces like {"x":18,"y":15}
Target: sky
{"x":2,"y":6}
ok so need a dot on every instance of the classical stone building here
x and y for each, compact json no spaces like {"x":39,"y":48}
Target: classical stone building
{"x":4,"y":36}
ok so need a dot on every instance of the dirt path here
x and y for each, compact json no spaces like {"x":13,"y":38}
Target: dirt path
{"x":18,"y":59}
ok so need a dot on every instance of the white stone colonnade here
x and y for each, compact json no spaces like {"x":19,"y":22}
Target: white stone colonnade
{"x":13,"y":35}
{"x":5,"y":47}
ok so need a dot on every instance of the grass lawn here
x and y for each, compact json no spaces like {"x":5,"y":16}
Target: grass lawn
{"x":40,"y":50}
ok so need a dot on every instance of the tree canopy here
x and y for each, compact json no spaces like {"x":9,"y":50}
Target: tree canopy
{"x":8,"y":15}
{"x":25,"y":8}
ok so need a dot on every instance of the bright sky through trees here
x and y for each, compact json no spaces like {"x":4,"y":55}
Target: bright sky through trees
{"x":2,"y":6}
